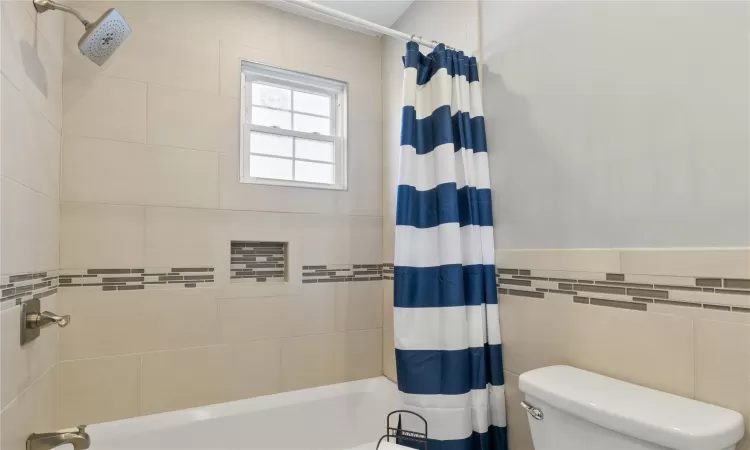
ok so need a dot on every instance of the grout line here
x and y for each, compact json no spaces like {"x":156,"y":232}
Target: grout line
{"x":140,"y":367}
{"x":364,"y":216}
{"x":219,"y":345}
{"x":36,"y":191}
{"x":27,"y":388}
{"x":145,"y":124}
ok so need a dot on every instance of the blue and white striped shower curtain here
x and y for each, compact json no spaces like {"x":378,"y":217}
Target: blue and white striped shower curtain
{"x":447,"y":333}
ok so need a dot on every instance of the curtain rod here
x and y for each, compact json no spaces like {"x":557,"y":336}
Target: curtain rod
{"x":336,"y":14}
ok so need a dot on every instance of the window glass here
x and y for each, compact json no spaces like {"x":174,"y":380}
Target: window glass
{"x":315,"y":150}
{"x":271,"y":96}
{"x":312,"y":124}
{"x":269,"y":167}
{"x":312,"y":104}
{"x":271,"y":144}
{"x":313,"y":172}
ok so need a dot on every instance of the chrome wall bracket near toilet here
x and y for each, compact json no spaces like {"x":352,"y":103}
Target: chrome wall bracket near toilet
{"x":33,"y":319}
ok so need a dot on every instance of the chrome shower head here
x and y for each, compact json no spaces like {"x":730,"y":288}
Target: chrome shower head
{"x":104,"y":36}
{"x":101,"y":38}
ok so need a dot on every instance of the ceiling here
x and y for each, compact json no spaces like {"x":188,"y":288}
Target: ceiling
{"x":383,"y":12}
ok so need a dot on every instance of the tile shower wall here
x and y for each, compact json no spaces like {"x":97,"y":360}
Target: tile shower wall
{"x":30,"y":124}
{"x":151,"y":186}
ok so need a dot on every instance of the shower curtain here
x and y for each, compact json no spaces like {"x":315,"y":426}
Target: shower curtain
{"x":446,"y":328}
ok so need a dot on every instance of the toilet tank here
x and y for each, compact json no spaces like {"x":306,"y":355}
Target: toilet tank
{"x":572,"y":409}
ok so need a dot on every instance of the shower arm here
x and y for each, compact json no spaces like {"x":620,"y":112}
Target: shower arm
{"x":46,"y":5}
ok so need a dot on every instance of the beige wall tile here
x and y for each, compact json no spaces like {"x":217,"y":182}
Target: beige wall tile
{"x":117,"y":172}
{"x":182,"y":237}
{"x":359,"y":306}
{"x":33,"y":411}
{"x":326,"y":239}
{"x":98,"y":390}
{"x":165,"y":319}
{"x":16,"y":374}
{"x":41,"y":353}
{"x":180,"y":177}
{"x":29,"y":63}
{"x":535,"y":332}
{"x":363,"y":354}
{"x":110,"y":317}
{"x":184,"y":378}
{"x":519,"y":434}
{"x":730,"y":263}
{"x":251,"y":319}
{"x":553,"y":330}
{"x":311,"y":361}
{"x":586,"y":260}
{"x":179,"y":319}
{"x":101,"y":236}
{"x":389,"y":352}
{"x":30,"y":147}
{"x":366,"y":237}
{"x":157,"y":52}
{"x":105,"y":108}
{"x":722,"y":367}
{"x":649,"y":349}
{"x":261,"y":318}
{"x":99,"y":171}
{"x":180,"y":118}
{"x":200,"y":376}
{"x":28,"y":229}
{"x":255,"y":369}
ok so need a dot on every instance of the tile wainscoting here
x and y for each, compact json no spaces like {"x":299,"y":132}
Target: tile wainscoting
{"x":676,"y":320}
{"x":339,"y":273}
{"x":629,"y":291}
{"x":137,"y":279}
{"x":16,"y":289}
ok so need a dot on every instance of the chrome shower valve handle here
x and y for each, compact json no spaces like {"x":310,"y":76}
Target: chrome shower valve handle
{"x":33,"y":320}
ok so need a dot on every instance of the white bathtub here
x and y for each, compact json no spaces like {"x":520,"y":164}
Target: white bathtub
{"x":340,"y":416}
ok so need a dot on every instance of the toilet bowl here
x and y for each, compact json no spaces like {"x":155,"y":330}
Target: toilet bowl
{"x":572,"y":409}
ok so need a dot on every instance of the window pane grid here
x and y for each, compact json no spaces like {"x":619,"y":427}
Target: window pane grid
{"x":293,"y":126}
{"x":318,"y":171}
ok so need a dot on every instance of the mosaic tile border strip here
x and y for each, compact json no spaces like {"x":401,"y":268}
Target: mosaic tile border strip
{"x":388,"y":271}
{"x":136,"y":279}
{"x":340,"y":273}
{"x":629,"y":291}
{"x":16,"y":289}
{"x":254,"y":261}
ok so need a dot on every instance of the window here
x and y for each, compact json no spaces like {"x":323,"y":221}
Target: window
{"x":293,"y":128}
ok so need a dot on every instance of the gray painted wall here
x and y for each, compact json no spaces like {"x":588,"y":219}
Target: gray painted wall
{"x":616,"y":124}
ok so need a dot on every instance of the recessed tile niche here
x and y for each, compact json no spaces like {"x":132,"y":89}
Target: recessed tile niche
{"x":258,"y":262}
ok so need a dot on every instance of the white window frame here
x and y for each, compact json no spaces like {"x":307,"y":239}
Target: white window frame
{"x":287,"y":79}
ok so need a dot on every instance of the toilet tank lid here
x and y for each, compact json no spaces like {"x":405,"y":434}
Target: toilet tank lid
{"x":652,"y":416}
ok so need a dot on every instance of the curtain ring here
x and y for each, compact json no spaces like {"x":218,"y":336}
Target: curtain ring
{"x":411,"y":38}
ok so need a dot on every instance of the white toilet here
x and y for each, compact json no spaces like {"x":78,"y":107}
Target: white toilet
{"x":572,"y":409}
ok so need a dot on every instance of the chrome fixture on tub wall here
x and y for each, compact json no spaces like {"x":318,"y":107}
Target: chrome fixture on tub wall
{"x":101,"y":38}
{"x":77,"y":437}
{"x":33,"y":319}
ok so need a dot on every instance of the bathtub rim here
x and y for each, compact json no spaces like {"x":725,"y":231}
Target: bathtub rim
{"x":181,"y":417}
